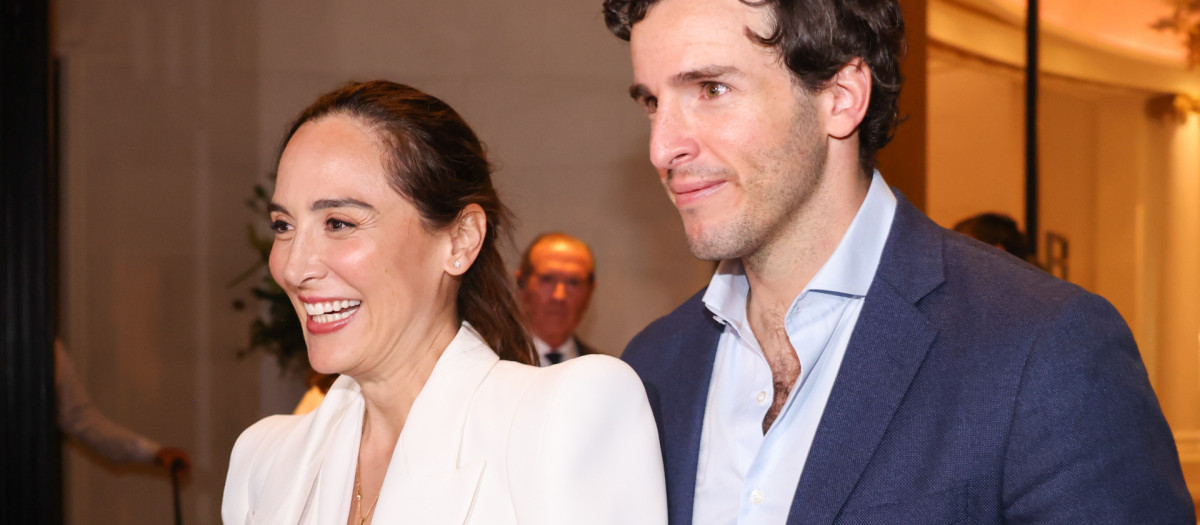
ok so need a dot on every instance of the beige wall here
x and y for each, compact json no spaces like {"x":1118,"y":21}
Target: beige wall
{"x":172,"y":112}
{"x":158,"y":144}
{"x":905,"y":159}
{"x":976,"y":150}
{"x":1179,"y":289}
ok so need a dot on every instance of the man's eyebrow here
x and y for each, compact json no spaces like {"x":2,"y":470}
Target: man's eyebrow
{"x":341,"y":203}
{"x":640,"y":92}
{"x":705,"y":73}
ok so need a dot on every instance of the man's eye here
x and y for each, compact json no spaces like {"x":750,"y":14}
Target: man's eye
{"x":280,"y":226}
{"x":714,"y":89}
{"x":650,"y":104}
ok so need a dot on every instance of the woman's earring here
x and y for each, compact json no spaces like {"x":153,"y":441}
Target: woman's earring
{"x":457,"y":264}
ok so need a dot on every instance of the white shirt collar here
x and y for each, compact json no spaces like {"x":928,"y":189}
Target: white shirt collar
{"x":851,"y":268}
{"x":848,"y":271}
{"x":568,"y":349}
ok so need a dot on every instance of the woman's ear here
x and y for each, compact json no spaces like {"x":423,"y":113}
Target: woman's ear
{"x":851,"y":90}
{"x":466,"y":239}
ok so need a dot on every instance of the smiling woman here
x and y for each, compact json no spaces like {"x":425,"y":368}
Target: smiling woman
{"x":386,"y":224}
{"x":348,"y":246}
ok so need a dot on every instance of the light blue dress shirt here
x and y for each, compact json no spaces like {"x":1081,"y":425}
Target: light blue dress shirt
{"x":744,"y":476}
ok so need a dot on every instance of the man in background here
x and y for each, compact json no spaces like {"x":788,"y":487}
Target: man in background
{"x":996,"y":229}
{"x":79,"y":418}
{"x":556,"y":279}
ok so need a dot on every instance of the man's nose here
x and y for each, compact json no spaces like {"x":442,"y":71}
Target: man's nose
{"x":671,"y":139}
{"x":560,"y":291}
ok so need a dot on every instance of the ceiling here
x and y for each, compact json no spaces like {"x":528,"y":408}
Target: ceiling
{"x":1120,"y":24}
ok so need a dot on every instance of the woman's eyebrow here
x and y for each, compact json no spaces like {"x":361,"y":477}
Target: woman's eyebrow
{"x":324,"y":204}
{"x":341,"y":203}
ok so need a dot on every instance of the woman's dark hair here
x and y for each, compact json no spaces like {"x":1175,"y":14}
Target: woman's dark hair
{"x":438,"y":164}
{"x":816,"y":38}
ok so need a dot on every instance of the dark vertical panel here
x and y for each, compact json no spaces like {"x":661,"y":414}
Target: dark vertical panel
{"x":1031,"y":127}
{"x":31,"y":481}
{"x":903,"y":162}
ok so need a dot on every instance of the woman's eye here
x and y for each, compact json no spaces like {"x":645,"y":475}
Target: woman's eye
{"x":280,"y":226}
{"x":336,"y":225}
{"x":714,"y":89}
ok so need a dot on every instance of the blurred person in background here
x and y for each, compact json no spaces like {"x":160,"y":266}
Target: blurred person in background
{"x":556,"y":279}
{"x":996,"y":229}
{"x":79,"y":418}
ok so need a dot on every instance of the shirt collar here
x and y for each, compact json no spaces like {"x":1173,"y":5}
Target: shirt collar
{"x":852,"y":266}
{"x":568,"y":349}
{"x":849,"y":271}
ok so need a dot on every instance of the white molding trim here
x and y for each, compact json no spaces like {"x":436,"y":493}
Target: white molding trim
{"x":979,"y":28}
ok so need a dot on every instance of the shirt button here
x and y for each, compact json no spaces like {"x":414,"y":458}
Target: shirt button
{"x":756,"y":497}
{"x":761,"y":397}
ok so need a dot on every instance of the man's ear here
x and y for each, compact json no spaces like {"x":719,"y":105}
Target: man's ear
{"x":466,"y":239}
{"x":850,"y":89}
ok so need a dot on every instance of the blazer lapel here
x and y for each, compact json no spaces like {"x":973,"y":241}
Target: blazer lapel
{"x":890,"y":341}
{"x":443,"y":496}
{"x":683,"y":393}
{"x":317,"y":463}
{"x":425,"y":482}
{"x":335,"y":483}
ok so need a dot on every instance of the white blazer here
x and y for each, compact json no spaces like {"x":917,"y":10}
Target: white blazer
{"x":486,"y":442}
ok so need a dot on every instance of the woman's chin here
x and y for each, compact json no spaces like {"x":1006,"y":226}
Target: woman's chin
{"x":325,"y":362}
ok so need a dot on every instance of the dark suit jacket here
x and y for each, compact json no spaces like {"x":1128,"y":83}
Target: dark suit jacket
{"x":584,"y":349}
{"x":975,"y":389}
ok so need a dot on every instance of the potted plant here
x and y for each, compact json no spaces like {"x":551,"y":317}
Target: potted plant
{"x":276,"y":330}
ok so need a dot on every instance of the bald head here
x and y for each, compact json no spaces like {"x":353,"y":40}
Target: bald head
{"x":556,"y":279}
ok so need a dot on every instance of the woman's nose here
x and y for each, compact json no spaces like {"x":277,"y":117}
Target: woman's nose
{"x":299,"y":261}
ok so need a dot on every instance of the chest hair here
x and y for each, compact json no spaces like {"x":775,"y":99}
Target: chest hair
{"x":781,"y":357}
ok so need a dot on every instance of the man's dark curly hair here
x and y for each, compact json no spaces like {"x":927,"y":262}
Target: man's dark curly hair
{"x":816,"y":38}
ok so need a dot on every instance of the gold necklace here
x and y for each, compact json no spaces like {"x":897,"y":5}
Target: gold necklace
{"x":362,"y":520}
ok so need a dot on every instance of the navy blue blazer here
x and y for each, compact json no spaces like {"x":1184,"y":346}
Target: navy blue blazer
{"x":975,"y":388}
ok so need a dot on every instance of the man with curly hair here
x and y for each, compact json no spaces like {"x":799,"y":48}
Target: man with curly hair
{"x":850,"y":361}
